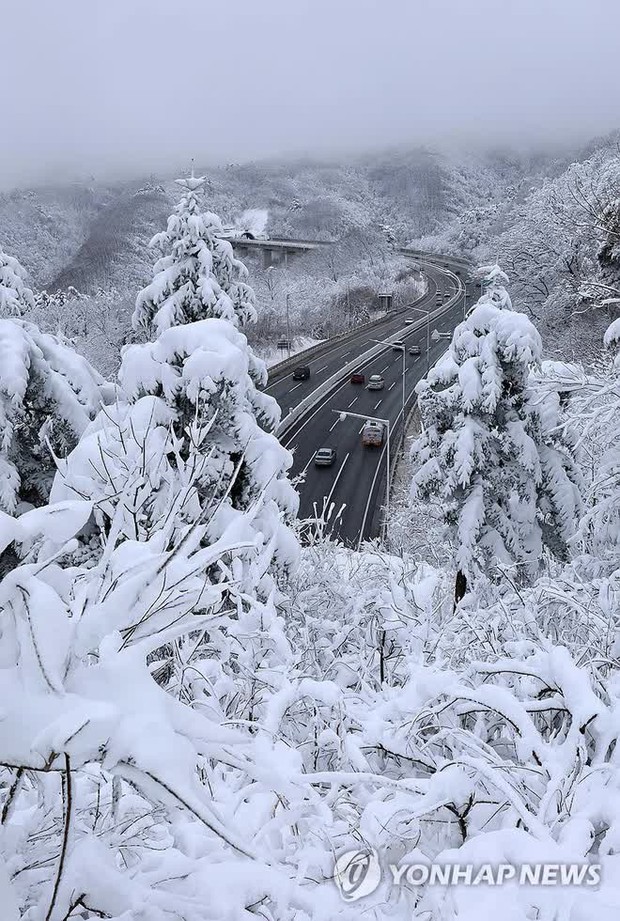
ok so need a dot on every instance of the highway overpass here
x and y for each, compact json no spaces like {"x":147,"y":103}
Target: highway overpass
{"x":275,"y":252}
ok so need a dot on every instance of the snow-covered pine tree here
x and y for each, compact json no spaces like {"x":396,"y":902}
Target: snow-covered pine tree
{"x":494,"y":281}
{"x":48,"y":395}
{"x":609,"y":252}
{"x":197,"y":275}
{"x":492,"y":448}
{"x":196,"y":426}
{"x":608,"y":256}
{"x":15,"y":296}
{"x":202,"y":370}
{"x":597,"y":409}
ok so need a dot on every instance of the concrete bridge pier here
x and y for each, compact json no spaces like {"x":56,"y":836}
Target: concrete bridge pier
{"x":275,"y":257}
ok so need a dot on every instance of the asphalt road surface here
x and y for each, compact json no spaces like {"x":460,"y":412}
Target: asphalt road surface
{"x":350,"y":495}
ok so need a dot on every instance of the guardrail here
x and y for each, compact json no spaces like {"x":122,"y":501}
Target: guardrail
{"x":307,"y":354}
{"x":317,"y":395}
{"x":437,"y":257}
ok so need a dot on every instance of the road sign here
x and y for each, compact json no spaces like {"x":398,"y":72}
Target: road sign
{"x":436,"y":335}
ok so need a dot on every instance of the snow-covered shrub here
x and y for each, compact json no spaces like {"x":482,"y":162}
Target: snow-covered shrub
{"x":118,"y":797}
{"x":492,"y":448}
{"x":97,"y":325}
{"x":594,"y":412}
{"x":464,"y":737}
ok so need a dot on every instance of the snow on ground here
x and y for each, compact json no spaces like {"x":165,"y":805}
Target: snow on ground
{"x":273,"y":356}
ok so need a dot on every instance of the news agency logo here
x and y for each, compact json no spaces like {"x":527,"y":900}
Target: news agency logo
{"x":357,"y":874}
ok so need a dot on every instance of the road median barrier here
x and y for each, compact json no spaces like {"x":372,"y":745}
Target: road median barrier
{"x":307,"y":354}
{"x":332,"y":382}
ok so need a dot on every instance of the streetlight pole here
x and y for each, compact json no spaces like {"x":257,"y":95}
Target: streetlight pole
{"x":404,"y":375}
{"x":288,"y":327}
{"x":428,"y":341}
{"x":428,"y":334}
{"x":386,"y":422}
{"x":401,"y":348}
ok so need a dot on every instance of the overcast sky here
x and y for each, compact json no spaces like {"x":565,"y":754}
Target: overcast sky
{"x":102,"y":86}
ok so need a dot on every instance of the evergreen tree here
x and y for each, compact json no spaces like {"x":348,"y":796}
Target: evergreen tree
{"x":15,"y":296}
{"x":204,"y":376}
{"x":197,"y":275}
{"x":48,"y":395}
{"x":194,"y":442}
{"x":492,"y":449}
{"x":609,"y":251}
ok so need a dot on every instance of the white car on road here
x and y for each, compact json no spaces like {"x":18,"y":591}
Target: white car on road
{"x":375,"y":382}
{"x":324,"y":457}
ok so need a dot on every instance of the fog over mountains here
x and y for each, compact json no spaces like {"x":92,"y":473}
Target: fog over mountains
{"x":94,"y":88}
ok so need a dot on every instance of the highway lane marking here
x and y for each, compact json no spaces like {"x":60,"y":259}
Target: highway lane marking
{"x":384,"y":369}
{"x":372,"y":489}
{"x":356,"y":337}
{"x":335,"y":424}
{"x":354,"y":400}
{"x":361,"y":430}
{"x":287,"y":437}
{"x":322,"y":369}
{"x":280,"y":381}
{"x":296,"y":386}
{"x":331,"y":492}
{"x":379,"y":404}
{"x":360,"y":336}
{"x":392,"y":385}
{"x":312,"y":456}
{"x":377,"y":470}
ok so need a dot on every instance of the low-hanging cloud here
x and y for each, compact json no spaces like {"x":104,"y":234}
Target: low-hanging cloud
{"x":133,"y":87}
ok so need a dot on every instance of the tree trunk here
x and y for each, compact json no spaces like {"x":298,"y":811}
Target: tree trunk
{"x":460,"y":587}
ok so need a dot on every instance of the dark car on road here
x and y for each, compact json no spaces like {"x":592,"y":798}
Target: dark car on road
{"x":301,"y":373}
{"x":358,"y":377}
{"x":324,"y":457}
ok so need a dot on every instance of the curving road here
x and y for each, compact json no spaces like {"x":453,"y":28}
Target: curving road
{"x":351,"y":493}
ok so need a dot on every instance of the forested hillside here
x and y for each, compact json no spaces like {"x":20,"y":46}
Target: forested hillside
{"x":93,"y":237}
{"x":213,"y":711}
{"x":528,"y":210}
